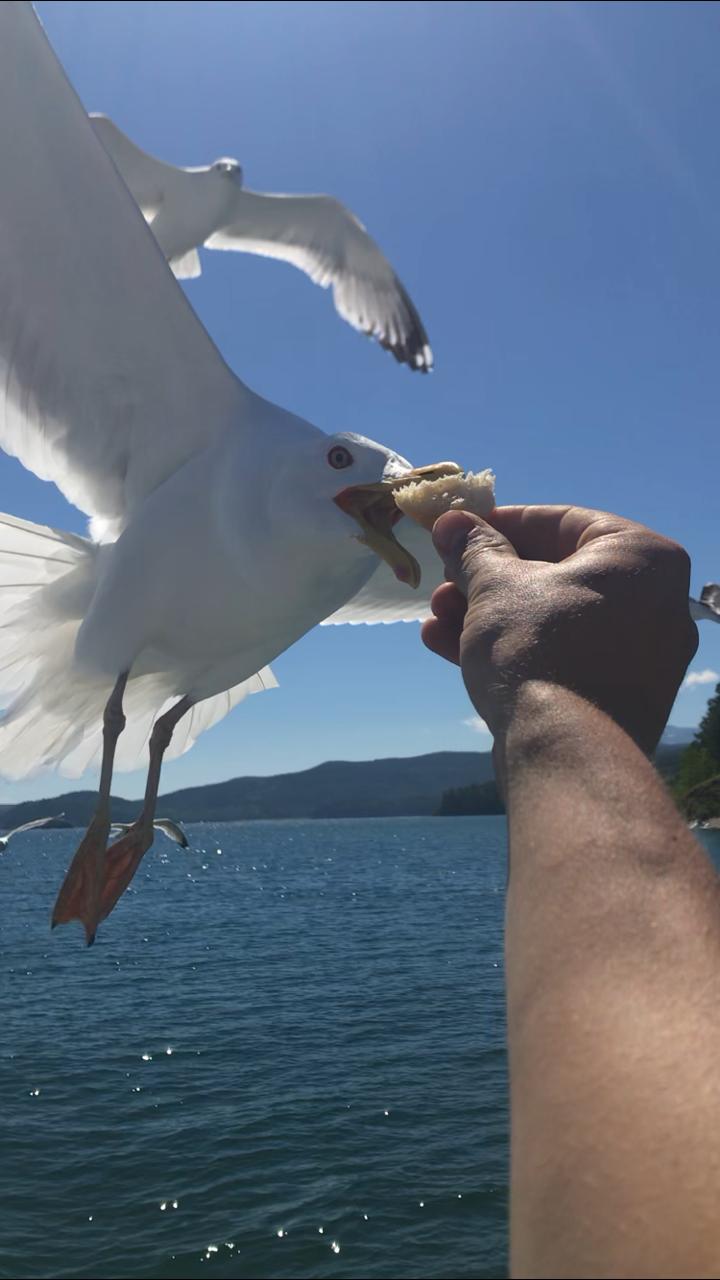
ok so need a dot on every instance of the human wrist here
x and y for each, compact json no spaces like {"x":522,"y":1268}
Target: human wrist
{"x":548,"y":727}
{"x":543,"y":715}
{"x":544,"y":721}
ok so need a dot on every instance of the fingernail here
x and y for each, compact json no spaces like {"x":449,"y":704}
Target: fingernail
{"x":451,"y":532}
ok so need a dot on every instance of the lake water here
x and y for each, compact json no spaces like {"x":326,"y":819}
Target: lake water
{"x":282,"y":1058}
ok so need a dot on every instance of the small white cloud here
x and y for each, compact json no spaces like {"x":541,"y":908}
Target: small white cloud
{"x":477,"y":724}
{"x":694,"y":678}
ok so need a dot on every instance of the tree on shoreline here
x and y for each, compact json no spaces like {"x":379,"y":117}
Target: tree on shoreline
{"x":700,"y":765}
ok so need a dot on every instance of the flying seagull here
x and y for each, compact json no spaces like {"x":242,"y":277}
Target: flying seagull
{"x":171,"y":829}
{"x":7,"y":836}
{"x":222,"y":528}
{"x":210,"y":206}
{"x":708,"y":606}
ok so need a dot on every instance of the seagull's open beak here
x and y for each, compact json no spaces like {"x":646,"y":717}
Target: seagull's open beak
{"x":373,"y":507}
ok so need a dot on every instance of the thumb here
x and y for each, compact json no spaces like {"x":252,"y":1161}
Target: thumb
{"x":474,"y":553}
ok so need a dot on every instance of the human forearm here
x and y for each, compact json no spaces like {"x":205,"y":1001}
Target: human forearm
{"x":613,"y":933}
{"x":612,"y":956}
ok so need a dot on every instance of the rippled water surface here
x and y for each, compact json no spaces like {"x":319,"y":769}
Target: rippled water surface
{"x":282,"y":1058}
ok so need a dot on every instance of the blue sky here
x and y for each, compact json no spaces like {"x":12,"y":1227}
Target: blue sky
{"x":545,"y":179}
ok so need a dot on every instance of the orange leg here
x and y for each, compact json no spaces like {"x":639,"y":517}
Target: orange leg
{"x":124,"y":857}
{"x":79,"y":896}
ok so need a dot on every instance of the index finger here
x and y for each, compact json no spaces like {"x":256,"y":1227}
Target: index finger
{"x":553,"y":533}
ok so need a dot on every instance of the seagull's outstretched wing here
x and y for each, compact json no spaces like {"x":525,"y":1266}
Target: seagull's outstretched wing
{"x":383,"y":598}
{"x":171,"y":829}
{"x":108,"y":382}
{"x":30,"y":826}
{"x":708,"y":606}
{"x":326,"y":241}
{"x":157,"y":187}
{"x":147,"y":178}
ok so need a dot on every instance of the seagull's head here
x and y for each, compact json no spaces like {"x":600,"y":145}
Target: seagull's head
{"x":352,"y":480}
{"x":229,"y":168}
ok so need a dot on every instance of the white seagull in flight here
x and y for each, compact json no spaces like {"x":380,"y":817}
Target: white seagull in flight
{"x":7,"y":836}
{"x":223,"y":528}
{"x":169,"y":828}
{"x":210,"y":206}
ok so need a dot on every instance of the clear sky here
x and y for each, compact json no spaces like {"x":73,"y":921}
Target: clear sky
{"x":545,"y":179}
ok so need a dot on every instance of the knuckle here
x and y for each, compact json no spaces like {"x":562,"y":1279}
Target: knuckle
{"x":677,"y":554}
{"x":672,"y":554}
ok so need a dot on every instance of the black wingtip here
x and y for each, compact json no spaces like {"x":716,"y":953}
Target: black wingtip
{"x":418,"y":358}
{"x":414,"y":349}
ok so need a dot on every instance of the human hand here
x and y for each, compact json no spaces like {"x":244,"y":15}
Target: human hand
{"x":579,"y":599}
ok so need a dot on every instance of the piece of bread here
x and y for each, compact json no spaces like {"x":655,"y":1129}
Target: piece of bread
{"x":425,"y":500}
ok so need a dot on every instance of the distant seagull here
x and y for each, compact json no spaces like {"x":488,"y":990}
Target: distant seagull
{"x":171,"y":829}
{"x":27,"y":826}
{"x":209,"y":206}
{"x":708,"y":606}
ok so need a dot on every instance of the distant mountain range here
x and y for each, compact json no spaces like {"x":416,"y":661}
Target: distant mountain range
{"x":677,"y":735}
{"x":405,"y":786}
{"x":338,"y":789}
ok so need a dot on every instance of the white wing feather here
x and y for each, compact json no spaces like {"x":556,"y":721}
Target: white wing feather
{"x":383,"y":598}
{"x":325,"y":240}
{"x":108,"y":382}
{"x":146,"y":177}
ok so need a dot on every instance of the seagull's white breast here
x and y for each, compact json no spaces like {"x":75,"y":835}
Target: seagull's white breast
{"x":209,"y":583}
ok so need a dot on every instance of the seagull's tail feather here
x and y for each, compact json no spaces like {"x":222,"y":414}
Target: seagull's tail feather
{"x":47,"y":579}
{"x":53,"y":713}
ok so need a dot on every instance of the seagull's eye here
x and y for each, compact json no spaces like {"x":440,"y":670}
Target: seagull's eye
{"x":339,"y":457}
